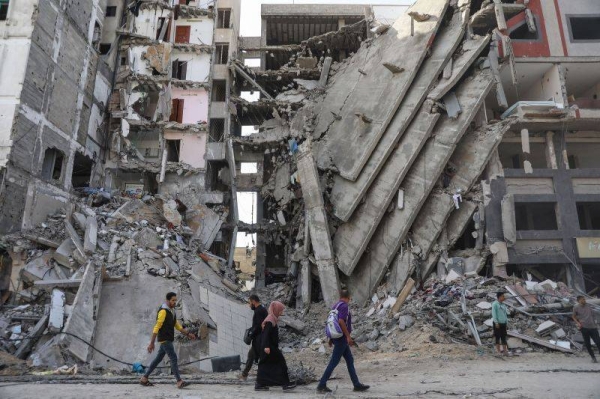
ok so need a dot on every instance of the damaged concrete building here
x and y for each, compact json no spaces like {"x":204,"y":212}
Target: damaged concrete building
{"x":378,"y":147}
{"x":54,"y":87}
{"x":423,"y":162}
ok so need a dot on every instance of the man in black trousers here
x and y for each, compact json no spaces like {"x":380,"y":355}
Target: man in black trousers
{"x":260,"y":314}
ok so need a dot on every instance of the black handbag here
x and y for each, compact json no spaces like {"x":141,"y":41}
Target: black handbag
{"x":249,"y":336}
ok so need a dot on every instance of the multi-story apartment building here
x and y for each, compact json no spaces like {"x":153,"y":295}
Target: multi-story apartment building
{"x":543,"y":196}
{"x":54,"y":87}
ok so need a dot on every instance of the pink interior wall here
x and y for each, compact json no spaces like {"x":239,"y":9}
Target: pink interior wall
{"x":193,"y":147}
{"x":195,"y":105}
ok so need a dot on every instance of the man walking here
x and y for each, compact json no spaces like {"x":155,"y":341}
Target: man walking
{"x":164,"y":329}
{"x":260,"y":314}
{"x":500,"y":318}
{"x":341,"y":347}
{"x":584,"y":318}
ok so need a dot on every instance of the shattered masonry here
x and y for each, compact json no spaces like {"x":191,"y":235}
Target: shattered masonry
{"x":402,"y":160}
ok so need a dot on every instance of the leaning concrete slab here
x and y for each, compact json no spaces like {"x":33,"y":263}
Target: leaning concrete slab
{"x":417,"y":185}
{"x":316,"y":217}
{"x":455,"y":227}
{"x":346,"y":194}
{"x":82,"y":322}
{"x":469,"y":160}
{"x":355,"y":116}
{"x":351,"y":238}
{"x":468,"y":54}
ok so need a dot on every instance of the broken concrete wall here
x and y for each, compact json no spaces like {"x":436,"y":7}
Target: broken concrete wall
{"x":54,"y":113}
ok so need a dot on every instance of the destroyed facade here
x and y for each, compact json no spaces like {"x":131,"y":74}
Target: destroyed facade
{"x":419,"y":156}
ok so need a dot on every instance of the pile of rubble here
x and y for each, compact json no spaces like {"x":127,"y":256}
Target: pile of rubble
{"x":58,"y":268}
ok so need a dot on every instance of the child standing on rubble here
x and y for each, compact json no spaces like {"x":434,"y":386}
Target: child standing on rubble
{"x":500,"y":318}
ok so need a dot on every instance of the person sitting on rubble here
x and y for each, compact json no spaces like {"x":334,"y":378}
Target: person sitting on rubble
{"x":583,"y":315}
{"x":260,"y":314}
{"x":500,"y":318}
{"x":341,"y":347}
{"x":272,"y":368}
{"x":164,"y":329}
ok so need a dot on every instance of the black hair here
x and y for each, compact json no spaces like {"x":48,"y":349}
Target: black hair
{"x":580,"y":297}
{"x":254,"y":298}
{"x":345,"y":294}
{"x":499,"y":294}
{"x":170,"y":295}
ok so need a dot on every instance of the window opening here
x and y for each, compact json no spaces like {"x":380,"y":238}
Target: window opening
{"x":224,"y":19}
{"x":221,"y":54}
{"x":53,"y":164}
{"x":536,"y":216}
{"x":173,"y":150}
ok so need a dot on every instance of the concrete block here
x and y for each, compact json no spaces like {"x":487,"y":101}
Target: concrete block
{"x":63,"y":253}
{"x":90,"y":239}
{"x":206,"y":224}
{"x":80,"y":220}
{"x":346,"y":194}
{"x":57,"y":310}
{"x":484,"y":305}
{"x":79,"y":250}
{"x":349,"y":140}
{"x":38,"y":269}
{"x":516,"y":343}
{"x":558,"y":334}
{"x":545,"y":327}
{"x":509,"y":222}
{"x":405,"y":322}
{"x":452,"y":275}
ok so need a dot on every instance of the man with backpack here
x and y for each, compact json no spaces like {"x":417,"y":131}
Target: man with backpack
{"x":338,"y":329}
{"x":260,"y":314}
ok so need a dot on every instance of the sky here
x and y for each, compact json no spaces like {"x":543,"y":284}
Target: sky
{"x":250,"y":21}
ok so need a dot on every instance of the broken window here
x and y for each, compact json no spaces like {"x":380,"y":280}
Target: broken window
{"x":173,"y":148}
{"x":179,"y":69}
{"x":512,"y":155}
{"x":163,"y":32}
{"x":111,"y":11}
{"x":248,"y":168}
{"x":589,"y":215}
{"x":522,"y":32}
{"x":219,"y":90}
{"x":182,"y":34}
{"x":248,"y":130}
{"x":252,"y":62}
{"x":221,"y":54}
{"x":583,"y":155}
{"x":3,"y":9}
{"x":82,"y":170}
{"x":536,"y":216}
{"x":217,"y":130}
{"x":177,"y":110}
{"x":584,"y":27}
{"x":53,"y":164}
{"x":104,"y":48}
{"x":224,"y":19}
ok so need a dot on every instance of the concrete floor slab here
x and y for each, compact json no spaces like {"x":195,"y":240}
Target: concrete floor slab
{"x":351,"y":238}
{"x":468,"y":53}
{"x":346,"y":194}
{"x":417,"y":185}
{"x":355,"y":117}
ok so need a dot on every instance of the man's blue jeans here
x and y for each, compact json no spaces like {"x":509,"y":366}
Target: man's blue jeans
{"x":340,"y":349}
{"x":166,"y":348}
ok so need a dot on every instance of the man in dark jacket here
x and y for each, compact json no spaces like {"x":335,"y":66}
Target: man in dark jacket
{"x":164,"y":329}
{"x":260,"y":314}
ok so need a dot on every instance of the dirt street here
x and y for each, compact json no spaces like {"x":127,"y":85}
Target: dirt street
{"x":475,"y":375}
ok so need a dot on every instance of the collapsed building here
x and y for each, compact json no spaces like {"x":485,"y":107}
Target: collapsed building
{"x":406,"y":165}
{"x":449,"y":138}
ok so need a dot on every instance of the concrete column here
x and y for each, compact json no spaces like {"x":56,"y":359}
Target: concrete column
{"x":550,"y":150}
{"x":261,"y":248}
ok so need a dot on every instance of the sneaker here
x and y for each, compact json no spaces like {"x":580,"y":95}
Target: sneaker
{"x":289,"y":387}
{"x":361,"y":388}
{"x":243,"y":377}
{"x":261,"y":387}
{"x":323,"y":389}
